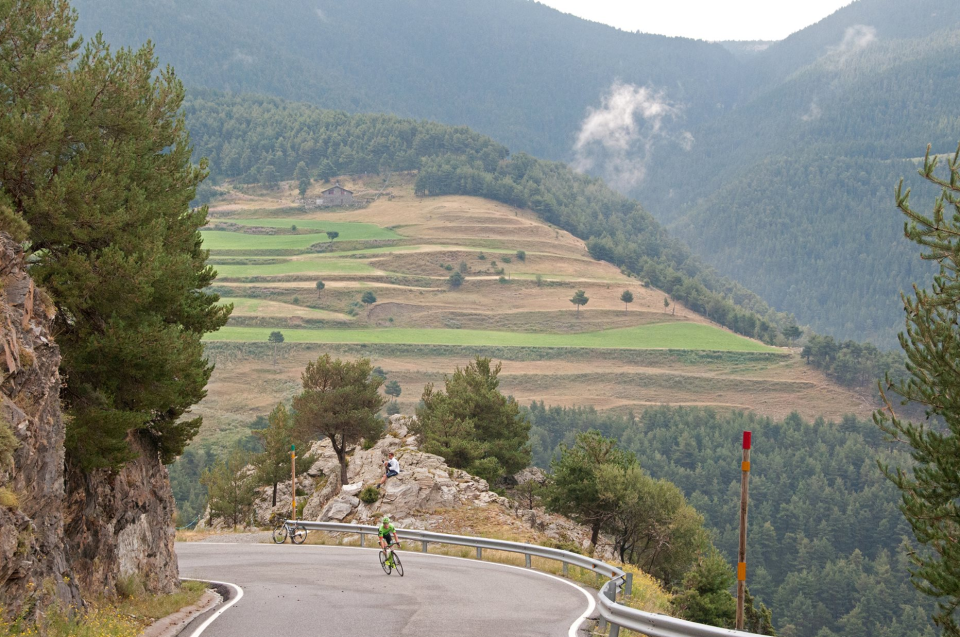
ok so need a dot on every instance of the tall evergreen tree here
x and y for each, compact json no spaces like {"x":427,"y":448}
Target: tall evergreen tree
{"x":340,"y":400}
{"x":273,"y":465}
{"x":474,"y":426}
{"x":230,"y":487}
{"x":95,"y":160}
{"x":930,"y":489}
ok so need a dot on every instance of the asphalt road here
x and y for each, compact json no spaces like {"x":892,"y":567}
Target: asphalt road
{"x":322,"y":591}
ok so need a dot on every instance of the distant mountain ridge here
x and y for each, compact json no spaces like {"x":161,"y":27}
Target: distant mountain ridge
{"x":721,"y":132}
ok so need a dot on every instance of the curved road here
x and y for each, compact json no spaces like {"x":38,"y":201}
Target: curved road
{"x":324,"y":591}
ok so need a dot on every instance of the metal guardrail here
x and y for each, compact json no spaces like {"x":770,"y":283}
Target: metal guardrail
{"x":617,"y":615}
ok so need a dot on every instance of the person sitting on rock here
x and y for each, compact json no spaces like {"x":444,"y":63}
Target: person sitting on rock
{"x":391,"y":468}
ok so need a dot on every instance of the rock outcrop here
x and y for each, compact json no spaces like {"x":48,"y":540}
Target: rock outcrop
{"x":420,"y":497}
{"x":120,"y":524}
{"x":34,"y":565}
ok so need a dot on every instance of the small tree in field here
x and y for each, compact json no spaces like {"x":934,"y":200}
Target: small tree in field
{"x":666,"y":304}
{"x":230,"y":487}
{"x":276,"y":337}
{"x":332,"y":235}
{"x":580,"y":298}
{"x":320,"y":286}
{"x":792,"y":332}
{"x":340,"y":400}
{"x":626,"y":298}
{"x":368,"y":297}
{"x":392,"y":388}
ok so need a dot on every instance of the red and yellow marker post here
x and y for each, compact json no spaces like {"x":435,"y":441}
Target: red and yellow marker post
{"x":742,"y":553}
{"x":293,"y":481}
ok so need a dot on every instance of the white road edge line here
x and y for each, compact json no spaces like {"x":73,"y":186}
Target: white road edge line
{"x":202,"y":627}
{"x":572,"y":632}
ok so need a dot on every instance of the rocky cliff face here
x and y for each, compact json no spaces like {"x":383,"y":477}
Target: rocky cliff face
{"x":425,"y":495}
{"x":34,"y":565}
{"x":120,"y":524}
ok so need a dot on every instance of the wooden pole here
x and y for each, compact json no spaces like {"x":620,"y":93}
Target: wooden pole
{"x":293,"y":481}
{"x":742,"y":553}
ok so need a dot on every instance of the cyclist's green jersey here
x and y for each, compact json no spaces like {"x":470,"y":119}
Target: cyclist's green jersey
{"x":388,"y":530}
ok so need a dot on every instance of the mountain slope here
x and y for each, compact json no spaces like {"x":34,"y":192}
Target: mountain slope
{"x":513,"y":69}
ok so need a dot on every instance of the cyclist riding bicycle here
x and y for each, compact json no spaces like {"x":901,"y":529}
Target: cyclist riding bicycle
{"x":387,"y":533}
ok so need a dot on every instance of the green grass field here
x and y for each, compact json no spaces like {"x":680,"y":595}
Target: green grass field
{"x":243,"y":306}
{"x":683,"y":336}
{"x":318,"y":265}
{"x":220,"y":240}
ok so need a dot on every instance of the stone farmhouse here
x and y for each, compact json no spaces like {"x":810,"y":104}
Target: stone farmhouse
{"x":336,"y":196}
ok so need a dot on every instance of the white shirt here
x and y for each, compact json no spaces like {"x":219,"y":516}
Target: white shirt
{"x":393,"y":465}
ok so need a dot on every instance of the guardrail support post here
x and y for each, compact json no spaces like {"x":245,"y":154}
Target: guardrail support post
{"x":526,"y":559}
{"x":479,"y":553}
{"x":361,"y":538}
{"x":628,"y":585}
{"x":565,"y":569}
{"x":614,"y":630}
{"x":424,"y":546}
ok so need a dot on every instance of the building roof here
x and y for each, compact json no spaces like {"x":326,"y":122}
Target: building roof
{"x":336,"y":185}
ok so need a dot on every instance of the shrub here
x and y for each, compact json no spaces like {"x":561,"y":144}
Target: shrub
{"x":9,"y":499}
{"x":502,"y":279}
{"x":521,"y":255}
{"x":8,"y":444}
{"x":369,"y":495}
{"x":482,"y":256}
{"x":506,"y":259}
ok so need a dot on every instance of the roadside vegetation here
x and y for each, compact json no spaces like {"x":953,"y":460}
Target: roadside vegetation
{"x":127,"y":615}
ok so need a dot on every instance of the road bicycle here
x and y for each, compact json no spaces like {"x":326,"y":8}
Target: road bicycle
{"x":296,"y":532}
{"x":391,"y":561}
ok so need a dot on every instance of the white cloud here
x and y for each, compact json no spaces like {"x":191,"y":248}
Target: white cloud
{"x":618,"y":138}
{"x":239,"y":56}
{"x":320,"y":14}
{"x":855,"y":38}
{"x":813,"y":113}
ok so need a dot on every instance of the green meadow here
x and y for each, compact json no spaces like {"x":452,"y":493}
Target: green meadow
{"x":683,"y":336}
{"x":319,"y":265}
{"x":349,"y":231}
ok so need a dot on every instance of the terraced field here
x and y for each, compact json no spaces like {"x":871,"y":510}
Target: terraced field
{"x":519,"y":275}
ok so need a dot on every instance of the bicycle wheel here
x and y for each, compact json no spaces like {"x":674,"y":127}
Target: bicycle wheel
{"x":396,"y":563}
{"x":384,"y":564}
{"x":299,"y":534}
{"x":280,"y":533}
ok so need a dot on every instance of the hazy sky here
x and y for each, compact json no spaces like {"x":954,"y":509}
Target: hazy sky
{"x":705,"y":19}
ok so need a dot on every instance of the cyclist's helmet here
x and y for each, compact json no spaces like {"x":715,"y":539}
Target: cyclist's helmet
{"x":386,"y":520}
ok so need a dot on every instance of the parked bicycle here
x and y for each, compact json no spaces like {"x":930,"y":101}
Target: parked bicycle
{"x":294,"y":530}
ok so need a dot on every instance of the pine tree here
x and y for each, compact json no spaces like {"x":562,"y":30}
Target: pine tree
{"x":96,"y":163}
{"x":579,"y":298}
{"x":340,"y":400}
{"x":626,"y":298}
{"x":273,"y":465}
{"x":931,"y":488}
{"x":230,"y":487}
{"x":474,"y":426}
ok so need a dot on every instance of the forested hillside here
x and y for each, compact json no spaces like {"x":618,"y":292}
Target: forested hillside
{"x":759,"y":158}
{"x":513,"y":69}
{"x":794,"y":193}
{"x":825,"y":537}
{"x":248,"y":137}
